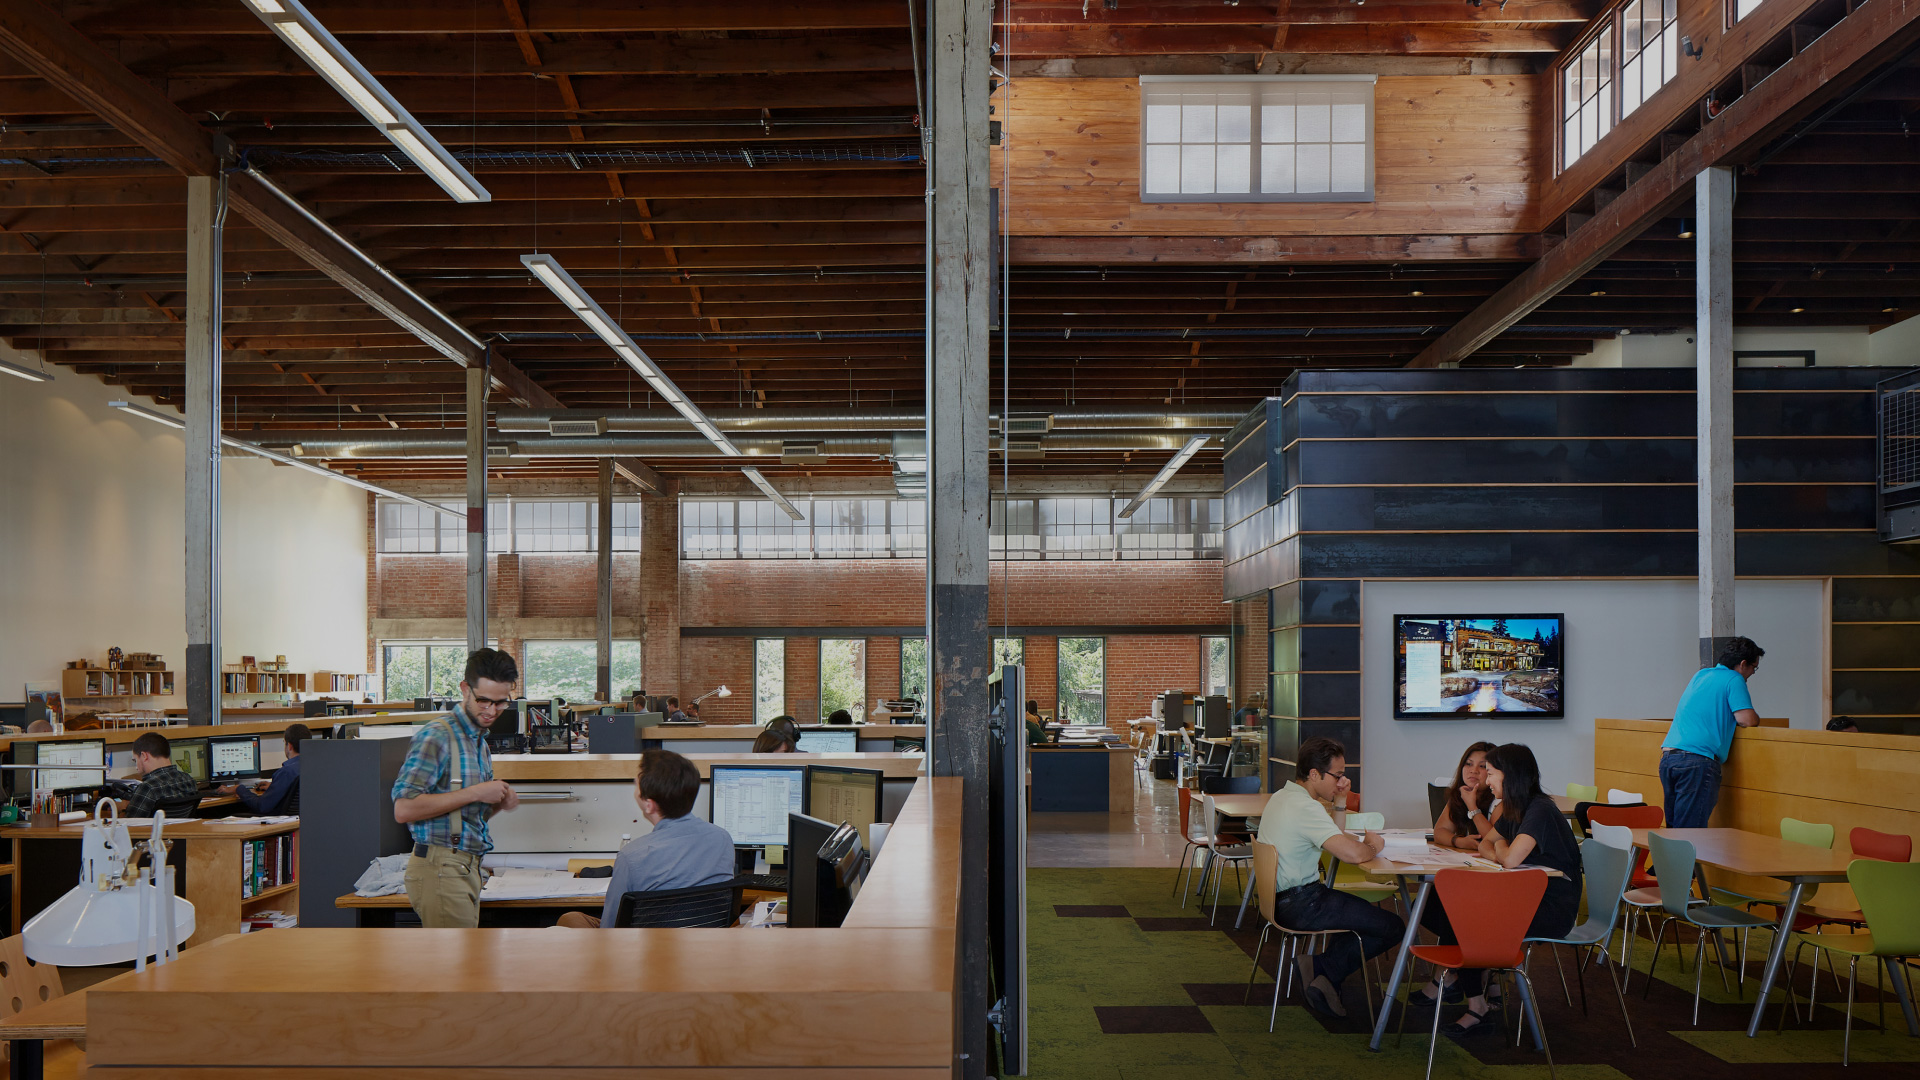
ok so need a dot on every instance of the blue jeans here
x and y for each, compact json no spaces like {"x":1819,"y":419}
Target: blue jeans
{"x":1691,"y":784}
{"x":1316,"y":907}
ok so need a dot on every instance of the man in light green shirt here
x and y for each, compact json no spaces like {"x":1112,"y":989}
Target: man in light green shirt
{"x":1298,"y":826}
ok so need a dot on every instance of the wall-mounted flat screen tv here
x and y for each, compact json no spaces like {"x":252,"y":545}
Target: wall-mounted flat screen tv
{"x":1456,"y":666}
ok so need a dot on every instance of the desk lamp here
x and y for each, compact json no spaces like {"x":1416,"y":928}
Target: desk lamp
{"x":118,"y":911}
{"x":722,"y":692}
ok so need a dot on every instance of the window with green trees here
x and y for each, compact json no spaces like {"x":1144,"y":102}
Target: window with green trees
{"x":1082,"y":681}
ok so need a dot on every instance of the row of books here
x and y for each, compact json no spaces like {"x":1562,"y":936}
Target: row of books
{"x":269,"y":863}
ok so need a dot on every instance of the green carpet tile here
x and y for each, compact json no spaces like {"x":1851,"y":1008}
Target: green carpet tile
{"x":1126,"y":984}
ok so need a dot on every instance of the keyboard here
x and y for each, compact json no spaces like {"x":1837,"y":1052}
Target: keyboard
{"x":763,"y":882}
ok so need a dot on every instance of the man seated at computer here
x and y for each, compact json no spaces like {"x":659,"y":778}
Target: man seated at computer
{"x":1036,"y":725}
{"x":839,"y":716}
{"x":773,"y":740}
{"x":162,"y":785}
{"x":681,"y":852}
{"x":274,"y":798}
{"x":692,"y":712}
{"x":674,"y":715}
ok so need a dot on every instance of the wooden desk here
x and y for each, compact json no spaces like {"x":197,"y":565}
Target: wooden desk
{"x":1241,"y":806}
{"x":517,"y":768}
{"x":1081,"y":779}
{"x":379,"y":911}
{"x":355,"y":1003}
{"x":1759,"y":855}
{"x":211,"y":874}
{"x":62,"y":1018}
{"x":1416,"y":905}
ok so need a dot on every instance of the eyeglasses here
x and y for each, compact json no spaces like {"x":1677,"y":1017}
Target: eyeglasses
{"x":490,"y":704}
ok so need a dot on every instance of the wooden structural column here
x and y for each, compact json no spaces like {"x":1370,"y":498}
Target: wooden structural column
{"x":478,"y":380}
{"x":206,"y":210}
{"x":1713,"y":395}
{"x":603,"y":591}
{"x":959,"y":352}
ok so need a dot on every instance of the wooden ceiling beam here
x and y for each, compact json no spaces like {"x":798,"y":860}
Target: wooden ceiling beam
{"x":1359,"y":38}
{"x":462,"y":18}
{"x":615,"y":95}
{"x":1072,"y":13}
{"x":1867,"y":38}
{"x":1046,"y":250}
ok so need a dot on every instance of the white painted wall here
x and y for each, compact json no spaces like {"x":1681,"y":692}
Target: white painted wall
{"x":91,"y":550}
{"x":1895,"y":346}
{"x":1631,"y":647}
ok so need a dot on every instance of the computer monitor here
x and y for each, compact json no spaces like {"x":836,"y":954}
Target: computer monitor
{"x":235,"y":757}
{"x":192,"y":756}
{"x":850,"y":796}
{"x":752,"y":802}
{"x":823,"y":862}
{"x":20,"y":781}
{"x":80,"y":752}
{"x":839,"y":741}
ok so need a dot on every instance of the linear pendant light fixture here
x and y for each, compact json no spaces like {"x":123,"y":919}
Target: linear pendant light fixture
{"x":329,"y":59}
{"x":20,"y":371}
{"x":1165,"y":474}
{"x":260,"y":451}
{"x":555,"y":277}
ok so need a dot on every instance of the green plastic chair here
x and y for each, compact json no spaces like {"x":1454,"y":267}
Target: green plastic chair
{"x":1673,"y":860}
{"x":1583,"y":792}
{"x":1886,"y":891}
{"x":1794,"y":831}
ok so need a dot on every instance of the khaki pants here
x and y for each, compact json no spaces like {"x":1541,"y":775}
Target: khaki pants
{"x":579,"y":920}
{"x":444,"y":887}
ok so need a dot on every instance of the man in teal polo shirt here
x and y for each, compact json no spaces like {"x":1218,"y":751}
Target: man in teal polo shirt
{"x":1715,"y":702}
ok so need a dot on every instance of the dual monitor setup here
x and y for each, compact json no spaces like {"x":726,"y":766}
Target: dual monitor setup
{"x":215,"y":761}
{"x":823,"y":815}
{"x":72,"y":766}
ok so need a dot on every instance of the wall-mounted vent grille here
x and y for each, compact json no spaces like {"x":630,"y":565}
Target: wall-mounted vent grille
{"x":581,"y":428}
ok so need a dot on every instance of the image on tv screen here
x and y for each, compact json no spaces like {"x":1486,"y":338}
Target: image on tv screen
{"x":1448,"y":666}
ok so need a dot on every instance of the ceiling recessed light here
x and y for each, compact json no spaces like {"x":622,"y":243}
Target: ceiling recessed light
{"x":1888,"y":310}
{"x":1417,"y":292}
{"x":1598,"y":292}
{"x":1798,"y":310}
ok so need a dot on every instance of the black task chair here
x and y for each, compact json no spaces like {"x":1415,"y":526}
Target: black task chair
{"x":702,"y":905}
{"x":180,"y":809}
{"x":292,"y":806}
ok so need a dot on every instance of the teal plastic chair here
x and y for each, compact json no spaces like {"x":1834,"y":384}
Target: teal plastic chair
{"x":1607,"y":868}
{"x":1673,"y":860}
{"x":1886,"y":891}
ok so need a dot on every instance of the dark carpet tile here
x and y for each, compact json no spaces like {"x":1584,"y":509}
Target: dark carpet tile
{"x":1155,"y":925}
{"x":1091,"y":911}
{"x":1152,"y":1020}
{"x":1227,"y":993}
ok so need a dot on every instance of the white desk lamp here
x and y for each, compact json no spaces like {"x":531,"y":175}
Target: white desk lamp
{"x":722,"y":692}
{"x":118,"y":911}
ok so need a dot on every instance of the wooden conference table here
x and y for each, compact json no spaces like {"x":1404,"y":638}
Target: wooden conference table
{"x":1738,"y":851}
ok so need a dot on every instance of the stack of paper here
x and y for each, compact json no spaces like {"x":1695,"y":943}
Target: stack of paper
{"x":1404,"y":848}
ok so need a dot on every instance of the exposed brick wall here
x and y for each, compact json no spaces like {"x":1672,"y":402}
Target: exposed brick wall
{"x":1041,"y":658}
{"x":711,"y":662}
{"x":892,"y":592}
{"x":803,"y":674}
{"x":506,"y":587}
{"x":658,"y":593}
{"x":1251,"y":649}
{"x":1138,"y":667}
{"x":883,"y":669}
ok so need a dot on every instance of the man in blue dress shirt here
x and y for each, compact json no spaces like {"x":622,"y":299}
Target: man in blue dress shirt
{"x":1714,"y":704}
{"x":681,"y":852}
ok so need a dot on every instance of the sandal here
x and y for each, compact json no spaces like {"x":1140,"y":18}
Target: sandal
{"x":1480,"y":1025}
{"x":1420,"y":999}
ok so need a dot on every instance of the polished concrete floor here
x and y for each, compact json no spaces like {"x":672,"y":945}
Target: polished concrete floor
{"x":1150,"y":836}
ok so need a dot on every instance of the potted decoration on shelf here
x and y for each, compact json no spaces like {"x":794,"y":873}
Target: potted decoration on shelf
{"x":114,"y":656}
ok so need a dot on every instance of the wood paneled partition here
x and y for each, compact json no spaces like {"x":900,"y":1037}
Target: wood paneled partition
{"x":1838,"y":778}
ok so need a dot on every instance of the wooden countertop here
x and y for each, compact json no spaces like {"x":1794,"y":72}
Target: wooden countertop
{"x":1756,"y":854}
{"x":64,"y":1017}
{"x":530,"y":768}
{"x":120,"y":738}
{"x":194,"y":829}
{"x":714,"y":999}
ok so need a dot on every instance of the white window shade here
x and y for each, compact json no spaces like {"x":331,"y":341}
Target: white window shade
{"x":1268,"y":138}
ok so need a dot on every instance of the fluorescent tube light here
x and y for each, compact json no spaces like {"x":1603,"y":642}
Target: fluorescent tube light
{"x":1165,"y":474}
{"x":329,"y":59}
{"x":767,"y":489}
{"x":19,"y":371}
{"x":555,"y":277}
{"x":146,"y":413}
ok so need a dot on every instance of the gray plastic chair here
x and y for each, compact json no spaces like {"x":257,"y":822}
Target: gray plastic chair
{"x":1673,"y":860}
{"x":1607,"y":868}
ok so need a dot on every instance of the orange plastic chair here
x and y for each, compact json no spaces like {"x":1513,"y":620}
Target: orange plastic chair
{"x":1490,"y":913}
{"x":1866,"y":844}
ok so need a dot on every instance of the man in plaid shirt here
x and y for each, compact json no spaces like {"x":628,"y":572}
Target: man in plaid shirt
{"x":446,"y":792}
{"x":162,"y":785}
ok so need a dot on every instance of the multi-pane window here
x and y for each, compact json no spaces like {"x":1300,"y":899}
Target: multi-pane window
{"x":570,"y":669}
{"x":1082,"y":681}
{"x":843,"y":676}
{"x":1177,"y":527}
{"x":1586,"y":96}
{"x":1275,"y":138}
{"x":1009,"y":650}
{"x":537,"y":525}
{"x":411,"y":670}
{"x":915,"y":676}
{"x":769,"y":678}
{"x":1649,"y":49}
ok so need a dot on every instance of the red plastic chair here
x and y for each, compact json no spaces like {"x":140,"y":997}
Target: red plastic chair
{"x":1490,"y":913}
{"x":1866,"y":844}
{"x":1643,"y":889}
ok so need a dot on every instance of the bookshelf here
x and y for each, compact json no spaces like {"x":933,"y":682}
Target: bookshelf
{"x":342,"y":682}
{"x":238,"y":680}
{"x":115,"y":683}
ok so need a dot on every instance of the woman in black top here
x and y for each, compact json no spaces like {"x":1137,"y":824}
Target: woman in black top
{"x":1527,"y":830}
{"x":1464,"y":820}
